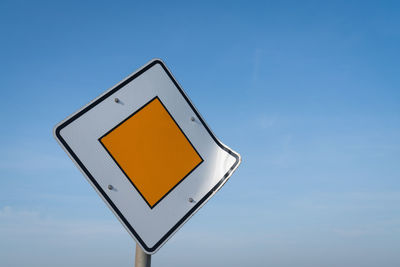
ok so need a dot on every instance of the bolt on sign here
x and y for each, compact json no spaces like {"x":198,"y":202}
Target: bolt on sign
{"x":148,"y":153}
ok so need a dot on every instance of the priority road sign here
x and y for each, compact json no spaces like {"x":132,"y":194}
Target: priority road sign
{"x":148,"y":153}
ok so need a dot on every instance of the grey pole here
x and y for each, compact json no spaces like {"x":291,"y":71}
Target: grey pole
{"x":142,"y":259}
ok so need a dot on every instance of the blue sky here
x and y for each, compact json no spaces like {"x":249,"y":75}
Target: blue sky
{"x":307,"y":92}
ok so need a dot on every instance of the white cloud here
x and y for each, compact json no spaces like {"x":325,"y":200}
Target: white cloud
{"x":24,"y":222}
{"x":36,"y":158}
{"x":29,"y":238}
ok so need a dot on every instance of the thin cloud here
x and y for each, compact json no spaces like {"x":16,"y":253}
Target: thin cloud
{"x":24,"y":160}
{"x":14,"y":222}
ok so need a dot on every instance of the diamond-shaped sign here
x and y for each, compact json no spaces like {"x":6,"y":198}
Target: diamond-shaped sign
{"x":148,"y":153}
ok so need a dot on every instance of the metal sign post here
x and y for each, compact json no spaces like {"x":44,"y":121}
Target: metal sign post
{"x":142,"y":259}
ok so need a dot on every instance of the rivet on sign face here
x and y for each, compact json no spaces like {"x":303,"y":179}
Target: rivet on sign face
{"x":192,"y":118}
{"x":191,"y":200}
{"x":110,"y":187}
{"x":116,"y":100}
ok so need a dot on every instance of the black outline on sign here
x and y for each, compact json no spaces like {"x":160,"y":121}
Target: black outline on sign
{"x":126,"y":175}
{"x":109,"y":201}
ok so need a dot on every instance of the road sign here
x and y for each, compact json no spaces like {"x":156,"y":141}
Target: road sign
{"x":148,"y":153}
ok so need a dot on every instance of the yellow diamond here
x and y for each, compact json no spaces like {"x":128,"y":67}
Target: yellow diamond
{"x":152,"y":151}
